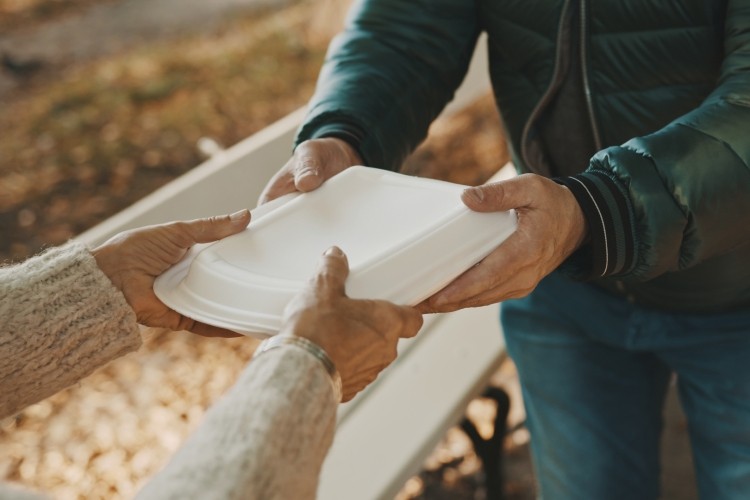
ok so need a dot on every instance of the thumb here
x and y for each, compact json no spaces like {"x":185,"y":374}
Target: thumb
{"x":317,"y":160}
{"x":215,"y":228}
{"x":334,"y":269}
{"x":412,"y":321}
{"x":497,"y":196}
{"x":308,"y":174}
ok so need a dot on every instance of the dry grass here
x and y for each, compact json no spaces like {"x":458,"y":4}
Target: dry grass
{"x":101,"y":136}
{"x":15,"y":13}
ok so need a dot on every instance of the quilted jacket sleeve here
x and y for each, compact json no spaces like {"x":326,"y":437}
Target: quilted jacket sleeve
{"x":687,"y":186}
{"x":390,"y":73}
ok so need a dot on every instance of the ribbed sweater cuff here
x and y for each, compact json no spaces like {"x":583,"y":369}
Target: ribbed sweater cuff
{"x":611,"y":248}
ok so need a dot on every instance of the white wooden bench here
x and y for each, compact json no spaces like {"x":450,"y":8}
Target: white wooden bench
{"x":385,"y":434}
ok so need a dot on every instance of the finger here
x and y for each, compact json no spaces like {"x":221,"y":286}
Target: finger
{"x":179,"y":323}
{"x":507,"y":292}
{"x":332,"y":273}
{"x":486,"y":275}
{"x":499,"y":196}
{"x":359,"y":382}
{"x":424,"y":307}
{"x":389,"y":319}
{"x":205,"y":330}
{"x":308,"y":170}
{"x":412,"y":321}
{"x":281,"y":184}
{"x":430,"y":306}
{"x":318,"y":160}
{"x":161,"y":316}
{"x":214,"y":228}
{"x":517,"y":286}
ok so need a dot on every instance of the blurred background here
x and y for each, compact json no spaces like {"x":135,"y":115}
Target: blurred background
{"x":102,"y":102}
{"x":105,"y":100}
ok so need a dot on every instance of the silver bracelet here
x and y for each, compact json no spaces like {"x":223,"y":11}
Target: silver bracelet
{"x":312,"y":348}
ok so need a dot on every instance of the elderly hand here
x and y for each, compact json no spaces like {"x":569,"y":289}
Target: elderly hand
{"x":312,"y":163}
{"x":133,"y":259}
{"x":360,"y":336}
{"x":551,"y":227}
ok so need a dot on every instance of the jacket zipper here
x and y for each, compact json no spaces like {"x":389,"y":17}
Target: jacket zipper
{"x":556,"y":82}
{"x":586,"y":88}
{"x":548,"y":93}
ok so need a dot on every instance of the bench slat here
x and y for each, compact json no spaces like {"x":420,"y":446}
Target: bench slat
{"x":399,"y":420}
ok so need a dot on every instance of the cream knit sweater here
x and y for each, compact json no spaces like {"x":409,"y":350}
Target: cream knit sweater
{"x":61,"y":318}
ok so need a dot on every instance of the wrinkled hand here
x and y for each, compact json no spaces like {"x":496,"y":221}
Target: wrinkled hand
{"x":133,"y":259}
{"x":312,"y":163}
{"x":550,"y":228}
{"x":360,"y":336}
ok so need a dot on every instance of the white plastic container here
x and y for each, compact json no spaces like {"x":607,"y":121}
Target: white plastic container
{"x":405,"y":238}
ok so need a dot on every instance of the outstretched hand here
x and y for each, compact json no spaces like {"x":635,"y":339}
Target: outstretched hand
{"x":360,"y":336}
{"x":133,"y":259}
{"x":312,"y":163}
{"x":550,"y":228}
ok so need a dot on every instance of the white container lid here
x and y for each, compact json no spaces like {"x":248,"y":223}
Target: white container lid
{"x":405,"y":238}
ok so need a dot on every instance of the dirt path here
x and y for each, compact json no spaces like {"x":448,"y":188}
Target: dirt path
{"x":110,"y":27}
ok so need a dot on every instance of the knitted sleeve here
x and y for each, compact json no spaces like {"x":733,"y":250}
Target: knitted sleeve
{"x":13,"y":492}
{"x":266,"y":439}
{"x":60,"y":319}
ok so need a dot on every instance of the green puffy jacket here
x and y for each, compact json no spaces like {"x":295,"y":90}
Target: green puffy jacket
{"x":665,"y":92}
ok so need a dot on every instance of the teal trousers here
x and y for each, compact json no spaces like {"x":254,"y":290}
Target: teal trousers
{"x":594,"y":371}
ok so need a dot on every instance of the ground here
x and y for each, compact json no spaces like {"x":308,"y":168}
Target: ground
{"x":82,"y":141}
{"x":104,"y":101}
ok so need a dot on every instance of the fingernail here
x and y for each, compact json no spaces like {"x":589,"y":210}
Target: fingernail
{"x":307,"y":173}
{"x":334,"y":251}
{"x":309,"y":167}
{"x":237,"y":216}
{"x":475,"y":193}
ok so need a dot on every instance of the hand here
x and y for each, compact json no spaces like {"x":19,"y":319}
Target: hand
{"x":551,"y":226}
{"x":312,"y":163}
{"x":360,"y":336}
{"x":133,"y":259}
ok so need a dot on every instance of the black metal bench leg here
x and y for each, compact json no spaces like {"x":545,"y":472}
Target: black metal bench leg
{"x":490,"y":451}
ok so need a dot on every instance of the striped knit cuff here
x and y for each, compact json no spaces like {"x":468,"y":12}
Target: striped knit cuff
{"x":607,"y":210}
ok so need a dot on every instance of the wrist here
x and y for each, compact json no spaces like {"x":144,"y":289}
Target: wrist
{"x":107,"y":263}
{"x":348,"y":135}
{"x":311,"y":348}
{"x":580,"y":234}
{"x":351,"y":152}
{"x":609,"y":217}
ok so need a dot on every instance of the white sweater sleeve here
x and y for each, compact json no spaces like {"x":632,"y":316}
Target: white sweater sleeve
{"x":60,"y":319}
{"x":266,"y":439}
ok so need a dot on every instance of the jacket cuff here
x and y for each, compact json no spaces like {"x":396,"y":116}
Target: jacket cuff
{"x":611,"y":249}
{"x":347,"y":132}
